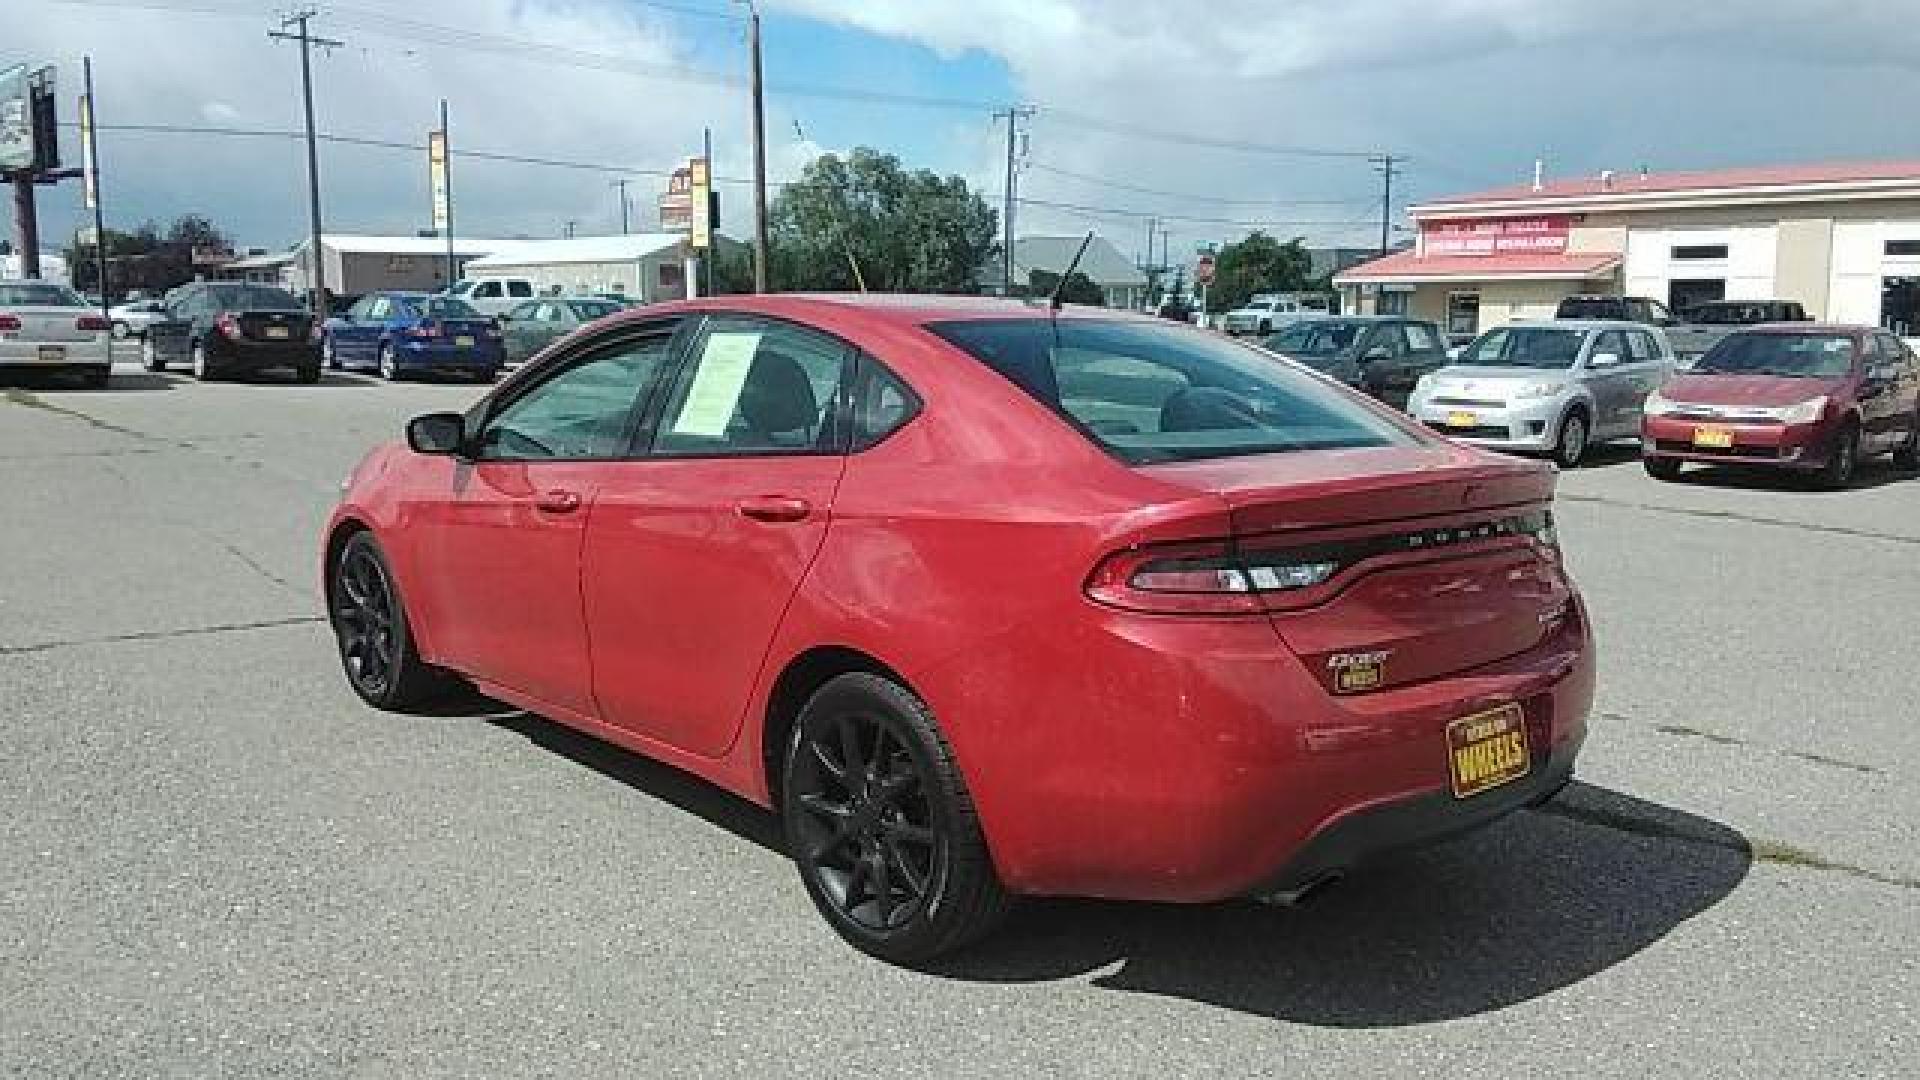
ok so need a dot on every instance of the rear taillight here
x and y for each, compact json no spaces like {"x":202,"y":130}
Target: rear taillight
{"x":422,"y":330}
{"x":9,"y":323}
{"x":1241,"y":578}
{"x":228,"y":326}
{"x":493,"y":330}
{"x":92,"y":324}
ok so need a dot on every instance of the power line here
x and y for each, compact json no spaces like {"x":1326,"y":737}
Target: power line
{"x":1186,"y":195}
{"x":1120,"y":128}
{"x":1120,"y":212}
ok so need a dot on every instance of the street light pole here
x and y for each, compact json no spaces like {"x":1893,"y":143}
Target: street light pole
{"x":90,"y":149}
{"x":760,"y":244}
{"x":316,"y":260}
{"x":446,"y":169}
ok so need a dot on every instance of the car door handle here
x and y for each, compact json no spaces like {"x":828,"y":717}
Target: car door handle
{"x":774,"y":508}
{"x":558,"y":501}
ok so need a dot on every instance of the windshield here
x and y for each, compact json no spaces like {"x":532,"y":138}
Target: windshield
{"x":252,"y":298}
{"x":37,"y":294}
{"x":1791,"y":356}
{"x":439,"y":307}
{"x":1525,"y":347}
{"x":1315,"y":338}
{"x":594,"y":309}
{"x":1159,"y":392}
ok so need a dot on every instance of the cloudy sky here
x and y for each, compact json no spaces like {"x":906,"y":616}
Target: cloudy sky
{"x":1216,"y":115}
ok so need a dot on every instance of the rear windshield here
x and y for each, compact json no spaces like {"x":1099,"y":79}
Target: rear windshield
{"x":1740,"y":314}
{"x":1792,"y":356}
{"x":1151,"y":392}
{"x":439,"y":307}
{"x":252,"y":298}
{"x":1315,"y":338}
{"x":1598,"y":307}
{"x":1525,"y":347}
{"x":37,"y":294}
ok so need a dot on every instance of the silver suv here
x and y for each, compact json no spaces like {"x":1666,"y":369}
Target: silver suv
{"x":1556,"y":387}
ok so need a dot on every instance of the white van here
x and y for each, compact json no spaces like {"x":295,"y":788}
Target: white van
{"x":494,"y":295}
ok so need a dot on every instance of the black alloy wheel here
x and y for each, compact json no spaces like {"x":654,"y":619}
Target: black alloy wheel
{"x":881,"y":826}
{"x":1843,"y":460}
{"x":375,"y":640}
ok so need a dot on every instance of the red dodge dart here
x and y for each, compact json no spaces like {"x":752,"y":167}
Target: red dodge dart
{"x":986,"y":600}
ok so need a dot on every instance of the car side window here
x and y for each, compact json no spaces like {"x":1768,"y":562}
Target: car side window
{"x":1421,"y":337}
{"x":882,"y":404}
{"x":1388,"y":338}
{"x":358,"y":312}
{"x":488,"y":290}
{"x":755,"y":387}
{"x":1609,"y":342}
{"x":585,"y":410}
{"x":380,"y":310}
{"x":1639,"y":347}
{"x":519,"y":288}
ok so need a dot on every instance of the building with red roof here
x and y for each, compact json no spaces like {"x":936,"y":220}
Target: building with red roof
{"x":1843,"y":240}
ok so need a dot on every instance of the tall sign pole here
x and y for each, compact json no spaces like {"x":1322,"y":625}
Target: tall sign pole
{"x":90,"y":163}
{"x":440,"y":176}
{"x":760,"y":244}
{"x":316,"y":259}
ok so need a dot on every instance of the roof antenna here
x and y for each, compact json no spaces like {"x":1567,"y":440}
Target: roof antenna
{"x":1061,"y":285}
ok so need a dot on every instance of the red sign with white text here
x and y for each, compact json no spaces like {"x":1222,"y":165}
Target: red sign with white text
{"x":1497,"y":236}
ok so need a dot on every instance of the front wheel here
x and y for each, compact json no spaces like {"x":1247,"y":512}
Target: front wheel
{"x":374,"y":637}
{"x":389,"y":365}
{"x":1843,"y":460}
{"x":1571,"y":446}
{"x":880,"y":824}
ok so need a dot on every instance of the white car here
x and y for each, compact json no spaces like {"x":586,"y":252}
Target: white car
{"x":493,"y":296}
{"x":132,"y":318}
{"x":1268,"y":312}
{"x":47,"y":327}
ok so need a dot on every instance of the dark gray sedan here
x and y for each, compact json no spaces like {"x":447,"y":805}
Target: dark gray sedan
{"x":532,"y":326}
{"x":1382,"y":355}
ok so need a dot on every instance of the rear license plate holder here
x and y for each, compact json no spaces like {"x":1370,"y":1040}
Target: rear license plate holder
{"x":52,"y":354}
{"x":279,"y":333}
{"x":1487,"y":749}
{"x":464,"y":341}
{"x":1713,"y":438}
{"x":1458,"y":419}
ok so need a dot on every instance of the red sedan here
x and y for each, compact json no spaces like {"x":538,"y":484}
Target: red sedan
{"x":1800,"y":396}
{"x":984,"y":599}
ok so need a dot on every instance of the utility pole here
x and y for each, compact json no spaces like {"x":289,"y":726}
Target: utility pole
{"x":316,"y":260}
{"x":446,"y":169}
{"x":90,"y":152}
{"x":571,"y":224}
{"x":1012,"y":116}
{"x":1388,"y":166}
{"x":759,"y":151}
{"x":625,"y":225}
{"x":713,"y":256}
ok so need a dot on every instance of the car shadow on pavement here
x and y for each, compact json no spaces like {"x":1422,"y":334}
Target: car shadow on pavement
{"x":1870,"y":474}
{"x":120,"y":382}
{"x":1537,"y":902}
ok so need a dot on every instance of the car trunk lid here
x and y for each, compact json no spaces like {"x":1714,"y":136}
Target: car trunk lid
{"x":273,"y":325}
{"x":49,"y":324}
{"x":1423,"y":561}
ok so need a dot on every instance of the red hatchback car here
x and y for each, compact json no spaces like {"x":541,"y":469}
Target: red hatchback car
{"x":984,"y":599}
{"x":1802,"y":396}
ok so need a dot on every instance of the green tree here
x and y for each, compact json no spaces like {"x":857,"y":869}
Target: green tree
{"x":1258,"y":263}
{"x":1080,"y":288}
{"x":145,"y":258}
{"x":908,"y":231}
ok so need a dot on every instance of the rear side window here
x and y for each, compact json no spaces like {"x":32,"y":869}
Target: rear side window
{"x":1421,"y":338}
{"x":882,"y":404}
{"x":519,"y":289}
{"x":755,"y":388}
{"x":1150,"y":392}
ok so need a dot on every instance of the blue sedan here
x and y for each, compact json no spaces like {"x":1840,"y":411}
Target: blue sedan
{"x":406,"y":333}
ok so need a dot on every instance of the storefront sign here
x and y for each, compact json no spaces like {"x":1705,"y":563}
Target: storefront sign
{"x":1497,"y":236}
{"x":437,"y":179}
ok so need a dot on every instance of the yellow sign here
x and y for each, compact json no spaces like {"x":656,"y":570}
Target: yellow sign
{"x":702,"y":188}
{"x":89,"y":167}
{"x":437,"y":179}
{"x":1487,"y":749}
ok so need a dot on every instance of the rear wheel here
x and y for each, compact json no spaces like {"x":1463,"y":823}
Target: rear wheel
{"x":375,"y":639}
{"x":1843,"y":460}
{"x":1663,"y":468}
{"x":880,"y":824}
{"x":1570,"y":447}
{"x":308,"y":374}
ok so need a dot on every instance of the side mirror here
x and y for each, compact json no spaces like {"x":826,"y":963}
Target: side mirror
{"x":1604,"y":360}
{"x":442,"y":433}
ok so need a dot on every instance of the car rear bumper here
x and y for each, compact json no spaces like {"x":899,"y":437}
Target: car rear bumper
{"x":1781,"y":446}
{"x":1529,"y":426}
{"x":1204,"y":761}
{"x":55,"y":354}
{"x":483,"y":355}
{"x":251,"y":355}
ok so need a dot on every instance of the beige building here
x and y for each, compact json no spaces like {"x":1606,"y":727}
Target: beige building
{"x":1843,"y":240}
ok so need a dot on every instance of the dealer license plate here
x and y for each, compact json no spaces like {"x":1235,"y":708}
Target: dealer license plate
{"x":279,"y":332}
{"x":1487,"y":749}
{"x":1462,"y":419}
{"x":464,"y":341}
{"x":52,"y":354}
{"x":1713,"y":438}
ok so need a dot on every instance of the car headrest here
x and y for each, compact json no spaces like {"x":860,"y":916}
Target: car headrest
{"x":778,"y":396}
{"x":1205,"y":408}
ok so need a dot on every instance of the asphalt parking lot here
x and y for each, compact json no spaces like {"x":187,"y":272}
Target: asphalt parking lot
{"x":218,"y":863}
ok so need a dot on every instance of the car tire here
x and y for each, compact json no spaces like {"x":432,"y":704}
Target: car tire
{"x":1843,"y":460}
{"x":1265,"y":328}
{"x":1907,"y":457}
{"x":96,"y":378}
{"x":150,"y":357}
{"x":487,"y":375}
{"x":1571,"y":441}
{"x":373,"y":634}
{"x":204,"y":369}
{"x":389,"y":365}
{"x":1664,"y":469}
{"x":308,"y":375}
{"x":881,"y":827}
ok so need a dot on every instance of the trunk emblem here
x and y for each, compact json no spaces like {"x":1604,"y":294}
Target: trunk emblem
{"x":1354,"y":672}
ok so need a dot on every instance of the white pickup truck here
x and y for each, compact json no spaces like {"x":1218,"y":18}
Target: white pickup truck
{"x":1268,"y":312}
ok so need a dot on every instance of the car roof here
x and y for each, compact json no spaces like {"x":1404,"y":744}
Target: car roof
{"x":1573,"y":324}
{"x":892,"y":309}
{"x":1827,"y":329}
